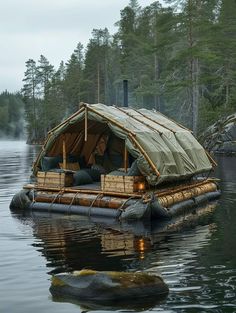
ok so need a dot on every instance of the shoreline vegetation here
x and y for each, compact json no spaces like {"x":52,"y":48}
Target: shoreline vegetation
{"x":179,"y":59}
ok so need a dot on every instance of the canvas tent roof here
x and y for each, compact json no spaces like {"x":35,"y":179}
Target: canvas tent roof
{"x":164,"y":150}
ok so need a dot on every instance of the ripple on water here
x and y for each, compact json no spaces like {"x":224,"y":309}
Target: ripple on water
{"x":197,"y":263}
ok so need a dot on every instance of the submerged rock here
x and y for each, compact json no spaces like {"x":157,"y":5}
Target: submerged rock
{"x":108,"y":288}
{"x":221,"y":136}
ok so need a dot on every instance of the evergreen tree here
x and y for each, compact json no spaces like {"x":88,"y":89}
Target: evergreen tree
{"x":96,"y":67}
{"x":45,"y":72}
{"x":226,"y":52}
{"x":30,"y":92}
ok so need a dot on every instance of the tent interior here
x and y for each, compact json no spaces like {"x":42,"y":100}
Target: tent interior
{"x":101,"y":152}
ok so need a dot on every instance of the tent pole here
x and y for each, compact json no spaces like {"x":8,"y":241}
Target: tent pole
{"x":64,"y":152}
{"x":213,"y":162}
{"x":144,"y":154}
{"x":126,"y":159}
{"x":86,"y":124}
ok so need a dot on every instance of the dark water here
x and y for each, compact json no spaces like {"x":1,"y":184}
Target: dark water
{"x":197,"y":261}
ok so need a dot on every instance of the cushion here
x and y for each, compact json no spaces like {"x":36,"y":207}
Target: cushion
{"x":94,"y":174}
{"x":134,"y":170}
{"x":99,"y":168}
{"x":48,"y":163}
{"x":117,"y":173}
{"x":81,"y":177}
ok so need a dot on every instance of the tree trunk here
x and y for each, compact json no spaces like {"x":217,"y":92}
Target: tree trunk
{"x":195,"y":93}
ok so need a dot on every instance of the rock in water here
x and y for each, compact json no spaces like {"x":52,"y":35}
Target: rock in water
{"x":221,"y":136}
{"x":108,"y":288}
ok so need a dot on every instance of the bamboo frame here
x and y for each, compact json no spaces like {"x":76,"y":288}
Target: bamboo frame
{"x":166,"y":198}
{"x":126,"y":159}
{"x":144,"y":154}
{"x":211,"y":158}
{"x":86,"y":123}
{"x":142,"y":122}
{"x":154,"y":121}
{"x":85,"y":191}
{"x":64,"y":152}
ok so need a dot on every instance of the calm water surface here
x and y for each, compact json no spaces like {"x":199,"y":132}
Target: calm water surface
{"x":197,"y":262}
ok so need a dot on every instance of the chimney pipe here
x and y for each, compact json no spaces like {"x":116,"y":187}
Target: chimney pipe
{"x":125,"y":88}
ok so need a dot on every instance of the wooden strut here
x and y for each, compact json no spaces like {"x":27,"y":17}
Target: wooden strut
{"x":137,"y":144}
{"x":126,"y":159}
{"x":86,"y":123}
{"x":154,"y":121}
{"x":167,"y":196}
{"x":211,"y":159}
{"x":89,"y":191}
{"x":64,"y":152}
{"x":142,"y":122}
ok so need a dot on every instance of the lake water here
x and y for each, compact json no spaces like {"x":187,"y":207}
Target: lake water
{"x":198,"y":262}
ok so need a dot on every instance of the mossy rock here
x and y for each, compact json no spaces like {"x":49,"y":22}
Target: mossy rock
{"x":88,"y":286}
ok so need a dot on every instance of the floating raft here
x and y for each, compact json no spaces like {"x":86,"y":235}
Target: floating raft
{"x":161,"y":203}
{"x":113,"y":162}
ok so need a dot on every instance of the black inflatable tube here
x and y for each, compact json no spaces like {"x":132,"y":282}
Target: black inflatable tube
{"x":74,"y":209}
{"x":22,"y":200}
{"x":179,"y":208}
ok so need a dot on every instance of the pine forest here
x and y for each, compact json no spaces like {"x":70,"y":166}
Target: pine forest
{"x":179,"y":58}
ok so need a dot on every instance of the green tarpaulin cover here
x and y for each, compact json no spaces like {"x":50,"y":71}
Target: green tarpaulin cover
{"x":153,"y":139}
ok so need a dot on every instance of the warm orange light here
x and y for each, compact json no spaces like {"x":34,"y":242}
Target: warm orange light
{"x":141,"y":245}
{"x":141,"y":186}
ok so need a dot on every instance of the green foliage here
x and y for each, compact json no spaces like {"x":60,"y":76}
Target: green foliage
{"x":179,"y":59}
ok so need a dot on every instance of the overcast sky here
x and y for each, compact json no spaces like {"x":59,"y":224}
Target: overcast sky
{"x":29,"y":28}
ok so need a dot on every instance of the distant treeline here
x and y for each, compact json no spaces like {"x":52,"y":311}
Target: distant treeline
{"x":12,"y":123}
{"x":180,"y":60}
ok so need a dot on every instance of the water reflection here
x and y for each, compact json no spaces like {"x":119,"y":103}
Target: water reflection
{"x":76,"y":242}
{"x":15,"y":159}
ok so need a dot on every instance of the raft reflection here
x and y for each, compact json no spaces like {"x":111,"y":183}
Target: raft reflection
{"x":74,"y":242}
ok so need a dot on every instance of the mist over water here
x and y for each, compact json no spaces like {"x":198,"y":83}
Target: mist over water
{"x":198,"y":262}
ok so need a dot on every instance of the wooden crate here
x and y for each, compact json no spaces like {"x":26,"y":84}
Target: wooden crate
{"x":126,"y":184}
{"x":54,"y":179}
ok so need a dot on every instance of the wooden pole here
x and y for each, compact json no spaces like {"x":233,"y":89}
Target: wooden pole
{"x":64,"y":152}
{"x":154,"y":121}
{"x":126,"y":159}
{"x":84,"y":191}
{"x":136,"y":143}
{"x":213,"y":162}
{"x":86,"y":124}
{"x":140,"y":121}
